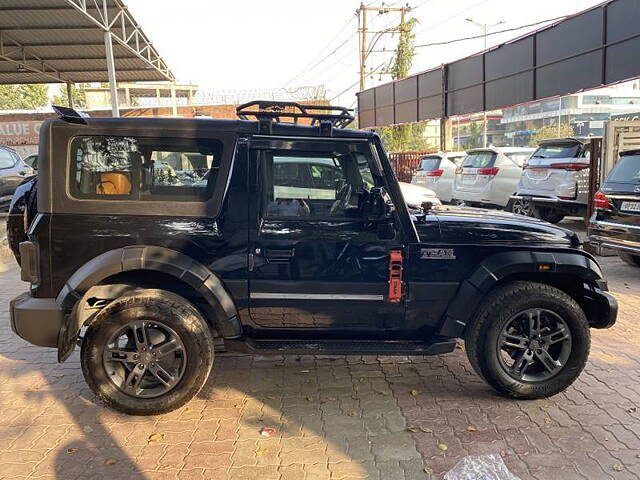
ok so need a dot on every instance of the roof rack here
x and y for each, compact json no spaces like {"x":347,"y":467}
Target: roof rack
{"x":268,"y":112}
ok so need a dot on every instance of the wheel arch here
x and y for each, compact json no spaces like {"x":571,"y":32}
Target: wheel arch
{"x":574,"y":272}
{"x":113,"y":273}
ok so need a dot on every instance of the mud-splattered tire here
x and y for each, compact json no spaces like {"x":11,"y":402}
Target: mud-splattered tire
{"x":147,"y":353}
{"x":493,"y":340}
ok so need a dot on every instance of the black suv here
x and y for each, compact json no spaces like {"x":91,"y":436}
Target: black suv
{"x":154,"y":237}
{"x":615,"y":223}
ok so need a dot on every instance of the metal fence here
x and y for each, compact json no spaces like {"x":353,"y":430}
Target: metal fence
{"x":405,"y":163}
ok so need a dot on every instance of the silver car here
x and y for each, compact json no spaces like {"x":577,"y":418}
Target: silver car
{"x":488,"y":177}
{"x":555,"y":180}
{"x":437,"y":172}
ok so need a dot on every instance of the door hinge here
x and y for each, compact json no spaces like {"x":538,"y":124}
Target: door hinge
{"x":251,"y":262}
{"x":395,"y":276}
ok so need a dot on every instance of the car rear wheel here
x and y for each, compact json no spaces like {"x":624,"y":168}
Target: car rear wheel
{"x":147,"y":353}
{"x":547,"y":214}
{"x":530,"y":340}
{"x":520,"y":206}
{"x":633,"y":260}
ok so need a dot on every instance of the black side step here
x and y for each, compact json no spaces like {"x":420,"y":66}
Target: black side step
{"x":340,"y":347}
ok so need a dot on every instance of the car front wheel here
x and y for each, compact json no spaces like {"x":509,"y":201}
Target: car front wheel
{"x":530,"y":340}
{"x":147,"y":353}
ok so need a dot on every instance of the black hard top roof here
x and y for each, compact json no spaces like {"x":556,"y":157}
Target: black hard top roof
{"x":208,"y":124}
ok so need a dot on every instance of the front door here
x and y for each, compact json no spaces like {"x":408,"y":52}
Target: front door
{"x":315,"y":261}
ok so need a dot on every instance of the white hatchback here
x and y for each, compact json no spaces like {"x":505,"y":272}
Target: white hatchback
{"x":437,"y":172}
{"x":489,"y":176}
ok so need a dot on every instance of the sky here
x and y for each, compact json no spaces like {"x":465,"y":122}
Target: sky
{"x":251,"y":44}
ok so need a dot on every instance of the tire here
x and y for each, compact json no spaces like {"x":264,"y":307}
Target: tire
{"x":184,"y":369}
{"x":547,"y":214}
{"x":633,"y":260}
{"x":506,"y":305}
{"x":520,"y":207}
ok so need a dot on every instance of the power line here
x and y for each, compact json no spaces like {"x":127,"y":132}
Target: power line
{"x":447,"y":42}
{"x":305,"y":69}
{"x":452,"y":16}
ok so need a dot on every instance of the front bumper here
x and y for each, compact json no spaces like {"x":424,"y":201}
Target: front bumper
{"x":601,"y":307}
{"x":36,"y":320}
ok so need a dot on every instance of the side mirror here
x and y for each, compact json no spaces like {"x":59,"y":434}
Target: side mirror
{"x":378,"y":205}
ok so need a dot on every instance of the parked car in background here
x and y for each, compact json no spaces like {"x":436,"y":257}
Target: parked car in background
{"x":12,"y":172}
{"x":437,"y":172}
{"x":31,"y":160}
{"x":555,"y":180}
{"x":489,"y":176}
{"x":415,"y":196}
{"x":615,"y":223}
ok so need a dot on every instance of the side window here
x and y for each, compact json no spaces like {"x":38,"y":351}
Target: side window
{"x":129,"y":168}
{"x":315,"y":184}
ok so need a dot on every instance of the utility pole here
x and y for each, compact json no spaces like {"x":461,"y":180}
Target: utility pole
{"x":367,"y":44}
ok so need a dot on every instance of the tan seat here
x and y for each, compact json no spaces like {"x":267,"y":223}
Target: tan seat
{"x":113,"y":184}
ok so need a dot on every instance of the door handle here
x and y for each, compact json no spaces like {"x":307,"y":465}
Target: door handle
{"x":279,"y":255}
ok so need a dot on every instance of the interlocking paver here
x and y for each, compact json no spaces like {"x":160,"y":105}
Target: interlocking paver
{"x":336,"y":417}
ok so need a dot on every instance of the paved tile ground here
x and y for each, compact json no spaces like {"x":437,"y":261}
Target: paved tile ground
{"x":337,"y":417}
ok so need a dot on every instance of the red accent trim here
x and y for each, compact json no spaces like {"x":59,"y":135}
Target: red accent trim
{"x":491,"y":171}
{"x":395,"y":276}
{"x":434,"y":173}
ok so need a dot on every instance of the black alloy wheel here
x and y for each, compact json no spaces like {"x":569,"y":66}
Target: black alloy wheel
{"x":534,"y":345}
{"x":145,"y":358}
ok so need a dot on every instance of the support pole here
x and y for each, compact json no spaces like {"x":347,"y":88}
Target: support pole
{"x":174,"y":100}
{"x":70,"y":94}
{"x":111,"y":69}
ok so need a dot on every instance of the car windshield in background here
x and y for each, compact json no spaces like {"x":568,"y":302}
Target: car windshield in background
{"x":479,"y":160}
{"x":429,"y":163}
{"x":627,"y":170}
{"x":7,"y":159}
{"x":556,"y":151}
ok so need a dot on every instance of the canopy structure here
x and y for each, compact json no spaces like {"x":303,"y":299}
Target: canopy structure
{"x":74,"y":41}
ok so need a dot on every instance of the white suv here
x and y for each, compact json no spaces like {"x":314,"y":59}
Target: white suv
{"x":489,"y":176}
{"x":555,"y":180}
{"x":437,"y":172}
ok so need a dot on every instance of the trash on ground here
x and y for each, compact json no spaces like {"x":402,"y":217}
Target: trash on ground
{"x":486,"y":467}
{"x":267,"y":431}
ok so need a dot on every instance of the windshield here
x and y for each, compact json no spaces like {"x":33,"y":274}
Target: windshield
{"x":479,"y":160}
{"x":627,"y":170}
{"x":429,"y":163}
{"x":7,"y":159}
{"x":557,"y":151}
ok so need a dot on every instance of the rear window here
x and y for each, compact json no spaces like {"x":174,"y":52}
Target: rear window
{"x":557,"y":151}
{"x":129,"y":168}
{"x":479,"y":160}
{"x":627,"y":170}
{"x":7,"y":159}
{"x":429,"y":163}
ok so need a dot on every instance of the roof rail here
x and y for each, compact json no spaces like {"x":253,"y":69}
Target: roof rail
{"x":69,"y":115}
{"x":268,"y":112}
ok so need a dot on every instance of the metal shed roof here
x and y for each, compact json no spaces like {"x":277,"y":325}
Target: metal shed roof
{"x":51,"y":41}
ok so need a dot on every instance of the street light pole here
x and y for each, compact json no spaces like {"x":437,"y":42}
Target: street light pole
{"x":485,"y":28}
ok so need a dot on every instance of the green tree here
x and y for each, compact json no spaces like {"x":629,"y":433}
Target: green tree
{"x":77,"y":93}
{"x":476,"y":135}
{"x":551,"y":131}
{"x":402,"y":138}
{"x":23,"y":97}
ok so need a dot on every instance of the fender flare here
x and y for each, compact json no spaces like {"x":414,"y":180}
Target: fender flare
{"x":143,"y":257}
{"x":497,"y":267}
